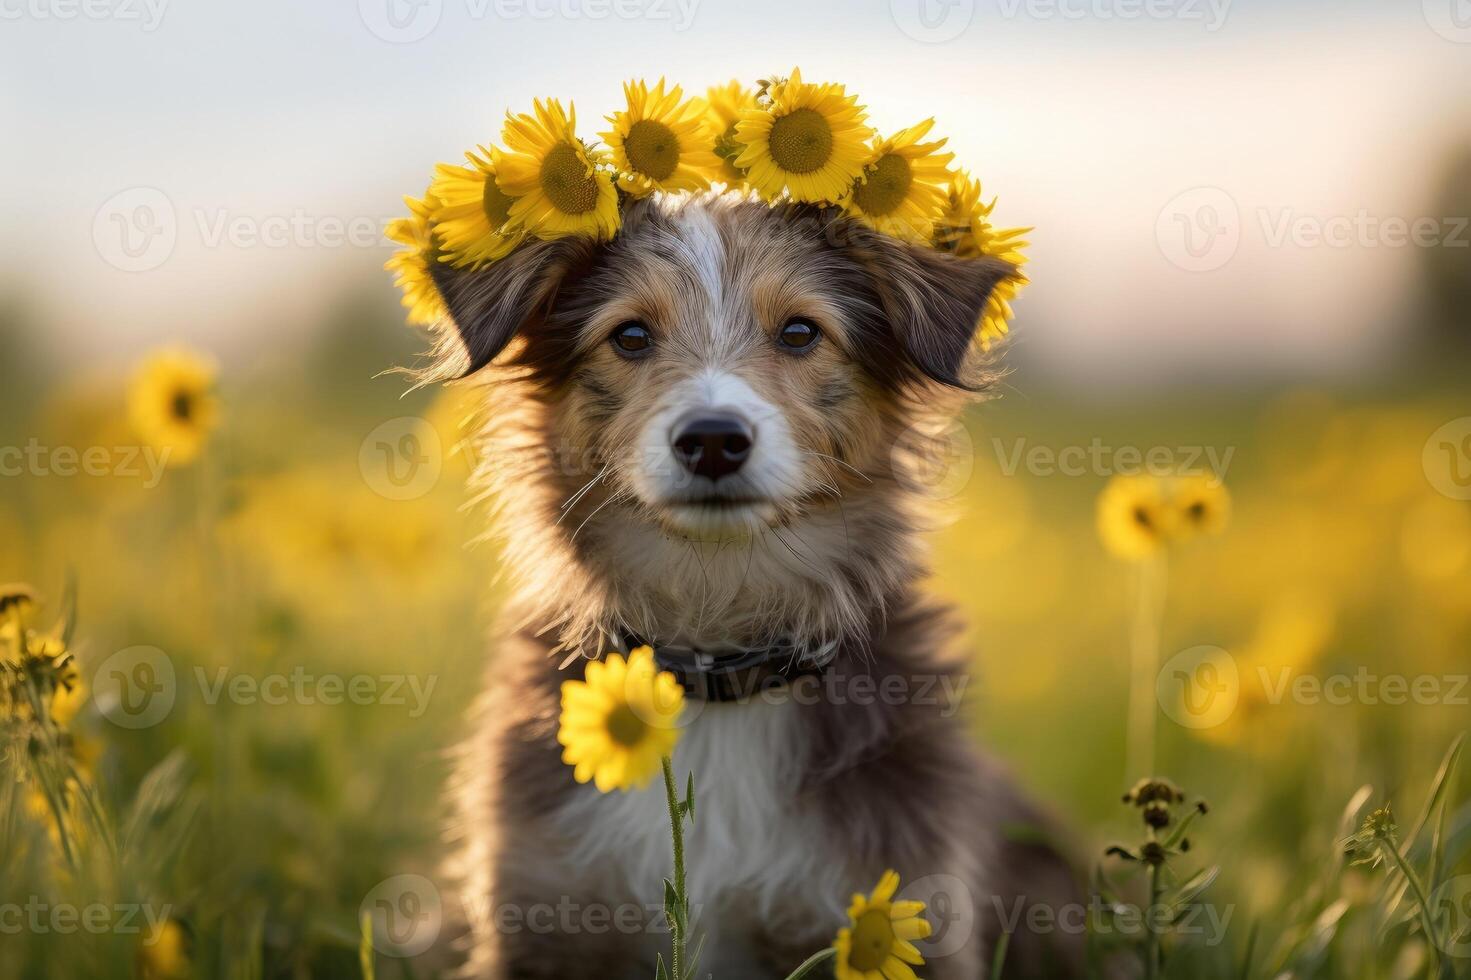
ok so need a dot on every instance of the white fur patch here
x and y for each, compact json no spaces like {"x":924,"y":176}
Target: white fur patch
{"x":704,"y":252}
{"x":752,"y":854}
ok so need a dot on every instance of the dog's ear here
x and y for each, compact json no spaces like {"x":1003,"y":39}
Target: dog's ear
{"x":494,"y":303}
{"x":932,"y":300}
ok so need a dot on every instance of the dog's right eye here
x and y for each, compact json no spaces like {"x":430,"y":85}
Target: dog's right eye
{"x":633,"y":338}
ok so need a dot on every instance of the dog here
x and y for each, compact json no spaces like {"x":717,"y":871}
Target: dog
{"x":704,"y":436}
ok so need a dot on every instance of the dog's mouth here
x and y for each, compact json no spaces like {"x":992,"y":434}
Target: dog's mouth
{"x":718,"y":514}
{"x":720,"y":502}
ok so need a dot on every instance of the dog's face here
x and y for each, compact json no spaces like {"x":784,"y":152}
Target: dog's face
{"x":720,"y":373}
{"x":722,"y":368}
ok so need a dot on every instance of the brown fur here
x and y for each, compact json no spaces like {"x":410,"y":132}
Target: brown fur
{"x":833,"y":557}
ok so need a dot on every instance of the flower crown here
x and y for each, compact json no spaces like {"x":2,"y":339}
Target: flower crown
{"x":787,"y":140}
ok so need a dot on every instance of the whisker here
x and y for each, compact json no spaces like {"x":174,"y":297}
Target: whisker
{"x":572,"y":502}
{"x":847,"y":466}
{"x":783,"y":541}
{"x":619,"y":495}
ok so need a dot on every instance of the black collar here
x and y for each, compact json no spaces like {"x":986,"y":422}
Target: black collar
{"x":735,"y":673}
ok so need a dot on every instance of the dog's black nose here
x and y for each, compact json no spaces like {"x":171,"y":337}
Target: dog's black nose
{"x":712,"y":445}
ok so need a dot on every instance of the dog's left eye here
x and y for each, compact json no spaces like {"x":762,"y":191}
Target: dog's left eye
{"x":799,"y":334}
{"x":633,"y":338}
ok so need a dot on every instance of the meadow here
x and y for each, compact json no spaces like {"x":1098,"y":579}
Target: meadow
{"x":308,"y":602}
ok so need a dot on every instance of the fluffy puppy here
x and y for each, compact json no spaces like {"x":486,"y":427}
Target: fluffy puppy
{"x":706,"y":435}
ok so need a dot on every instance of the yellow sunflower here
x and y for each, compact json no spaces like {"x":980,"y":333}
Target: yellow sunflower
{"x":809,"y":140}
{"x":903,"y":187}
{"x":966,"y":229}
{"x":70,"y":695}
{"x":878,"y":943}
{"x":724,"y":105}
{"x":17,"y":604}
{"x":411,"y":264}
{"x":472,"y":215}
{"x":560,"y":185}
{"x":163,"y":952}
{"x":1135,"y":519}
{"x":660,"y":143}
{"x":172,"y":405}
{"x":619,"y":723}
{"x":1202,"y":504}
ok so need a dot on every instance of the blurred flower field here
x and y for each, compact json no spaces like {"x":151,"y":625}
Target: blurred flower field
{"x":326,"y":620}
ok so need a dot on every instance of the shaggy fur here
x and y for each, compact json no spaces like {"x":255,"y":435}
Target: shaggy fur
{"x":808,"y":791}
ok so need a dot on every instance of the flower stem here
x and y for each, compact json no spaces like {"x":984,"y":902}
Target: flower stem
{"x":680,"y":917}
{"x":1427,"y":919}
{"x":1151,"y":936}
{"x":811,"y":963}
{"x":1149,"y":602}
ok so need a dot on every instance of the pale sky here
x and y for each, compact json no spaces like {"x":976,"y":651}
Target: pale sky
{"x":1117,"y":127}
